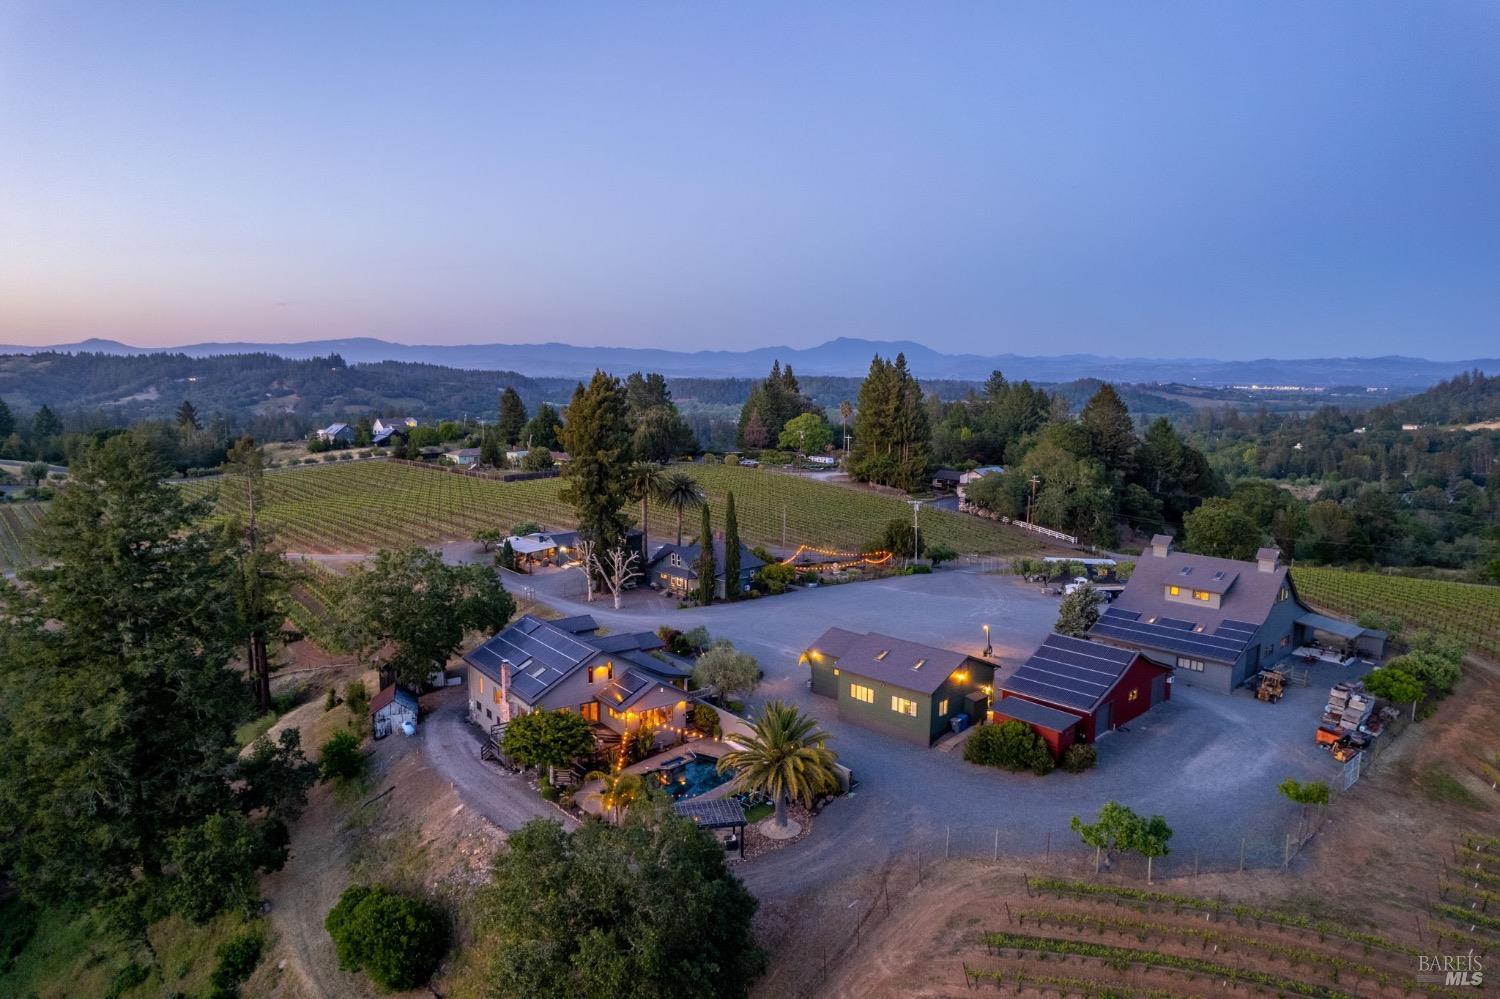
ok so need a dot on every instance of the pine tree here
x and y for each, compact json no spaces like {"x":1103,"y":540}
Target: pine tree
{"x":598,"y":440}
{"x":755,"y":430}
{"x":705,"y":566}
{"x":1111,"y":431}
{"x":7,"y":421}
{"x":187,"y":416}
{"x":731,"y":549}
{"x":543,"y":429}
{"x":115,"y":659}
{"x":891,"y":431}
{"x":512,"y":416}
{"x":45,"y":425}
{"x":264,"y":578}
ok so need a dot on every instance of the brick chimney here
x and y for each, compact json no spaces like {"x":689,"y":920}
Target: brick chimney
{"x":504,"y":692}
{"x":1267,"y":559}
{"x":1161,"y":545}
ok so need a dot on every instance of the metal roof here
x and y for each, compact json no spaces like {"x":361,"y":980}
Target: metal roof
{"x":1224,"y":644}
{"x":577,"y":624}
{"x":910,"y":665}
{"x":629,"y":640}
{"x":716,"y":813}
{"x":1035,"y":714}
{"x":1072,"y":672}
{"x":1333,"y":626}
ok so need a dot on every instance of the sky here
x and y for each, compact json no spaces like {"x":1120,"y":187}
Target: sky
{"x":1135,"y":179}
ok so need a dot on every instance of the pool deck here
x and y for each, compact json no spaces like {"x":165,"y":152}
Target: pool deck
{"x":588,"y":796}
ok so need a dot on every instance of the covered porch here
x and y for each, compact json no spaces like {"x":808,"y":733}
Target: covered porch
{"x":1327,"y":639}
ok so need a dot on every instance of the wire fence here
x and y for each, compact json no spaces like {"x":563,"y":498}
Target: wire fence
{"x":844,"y":915}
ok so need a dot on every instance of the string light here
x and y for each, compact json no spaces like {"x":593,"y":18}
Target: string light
{"x":868,"y":558}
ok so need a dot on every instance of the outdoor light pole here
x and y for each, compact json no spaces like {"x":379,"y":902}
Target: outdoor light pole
{"x":989,"y":650}
{"x":916,"y":507}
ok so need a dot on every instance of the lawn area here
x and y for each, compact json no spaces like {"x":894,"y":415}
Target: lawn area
{"x":1467,"y":612}
{"x":361,"y":506}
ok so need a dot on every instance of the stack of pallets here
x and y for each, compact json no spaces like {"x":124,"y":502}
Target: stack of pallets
{"x":1349,"y":706}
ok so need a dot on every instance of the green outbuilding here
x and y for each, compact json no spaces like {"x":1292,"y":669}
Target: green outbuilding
{"x":905,"y":689}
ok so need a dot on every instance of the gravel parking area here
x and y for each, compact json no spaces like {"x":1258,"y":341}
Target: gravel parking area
{"x":1208,"y":763}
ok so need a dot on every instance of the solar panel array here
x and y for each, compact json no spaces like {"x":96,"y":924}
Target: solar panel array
{"x":1072,"y":672}
{"x":1225,"y":644}
{"x":623,"y":689}
{"x":540,"y":654}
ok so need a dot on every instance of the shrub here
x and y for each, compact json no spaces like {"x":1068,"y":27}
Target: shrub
{"x":776,"y":577}
{"x":357,"y":699}
{"x":330,"y":700}
{"x":127,"y":978}
{"x":235,"y":962}
{"x":394,"y":939}
{"x":706,"y":720}
{"x":341,"y":758}
{"x":731,"y":459}
{"x":1011,"y":745}
{"x":1079,"y":757}
{"x":1395,"y":685}
{"x":549,"y":791}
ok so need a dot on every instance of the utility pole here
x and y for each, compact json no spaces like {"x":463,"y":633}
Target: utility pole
{"x":1032,"y":500}
{"x":916,"y":537}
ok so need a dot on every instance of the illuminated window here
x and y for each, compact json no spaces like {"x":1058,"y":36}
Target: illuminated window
{"x":862,"y":693}
{"x":1200,"y":595}
{"x":497,"y":695}
{"x":1133,"y":695}
{"x":835,"y":671}
{"x":1196,"y":665}
{"x":943,"y":707}
{"x":903,"y":706}
{"x":604,"y":672}
{"x":481,"y":686}
{"x":1175,"y":591}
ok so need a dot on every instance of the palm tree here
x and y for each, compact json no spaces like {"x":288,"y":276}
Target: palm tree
{"x":621,"y":789}
{"x":646,"y":479}
{"x":680,"y":491}
{"x":785,"y":758}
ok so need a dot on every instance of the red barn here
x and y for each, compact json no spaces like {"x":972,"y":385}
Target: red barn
{"x":1101,"y":686}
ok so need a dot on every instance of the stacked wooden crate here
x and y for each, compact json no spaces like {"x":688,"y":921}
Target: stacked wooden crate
{"x":1349,"y":706}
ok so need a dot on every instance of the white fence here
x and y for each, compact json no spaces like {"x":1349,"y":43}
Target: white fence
{"x":965,"y":506}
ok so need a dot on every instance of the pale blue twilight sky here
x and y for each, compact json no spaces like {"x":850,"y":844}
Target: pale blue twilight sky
{"x":1141,"y":178}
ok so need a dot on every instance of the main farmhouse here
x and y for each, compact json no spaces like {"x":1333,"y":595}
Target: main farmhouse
{"x":1216,"y":621}
{"x":674,"y":568}
{"x":902,"y":688}
{"x":616,"y":681}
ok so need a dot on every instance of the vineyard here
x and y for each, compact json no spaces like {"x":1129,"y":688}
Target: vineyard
{"x":1464,"y":611}
{"x":1092,"y":939}
{"x":17,"y":520}
{"x":362,"y":506}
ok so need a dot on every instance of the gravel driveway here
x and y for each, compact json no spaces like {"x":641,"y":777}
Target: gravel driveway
{"x":1208,"y":763}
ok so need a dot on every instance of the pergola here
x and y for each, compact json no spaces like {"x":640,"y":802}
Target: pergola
{"x":717,"y":813}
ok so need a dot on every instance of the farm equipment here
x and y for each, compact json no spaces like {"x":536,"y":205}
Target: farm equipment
{"x":1272,"y":685}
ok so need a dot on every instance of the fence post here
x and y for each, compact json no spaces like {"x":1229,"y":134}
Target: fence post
{"x":947,"y":841}
{"x":1286,"y":855}
{"x":1242,"y":853}
{"x":1049,"y":844}
{"x":997,"y":844}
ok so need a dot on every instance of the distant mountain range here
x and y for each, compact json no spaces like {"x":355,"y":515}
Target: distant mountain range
{"x":843,"y":356}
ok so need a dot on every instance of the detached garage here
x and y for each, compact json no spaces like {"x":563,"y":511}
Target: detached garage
{"x":1099,"y":686}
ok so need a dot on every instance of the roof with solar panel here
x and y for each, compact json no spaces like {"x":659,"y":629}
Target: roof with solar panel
{"x":1194,"y":605}
{"x":543,"y":653}
{"x":1071,"y":672}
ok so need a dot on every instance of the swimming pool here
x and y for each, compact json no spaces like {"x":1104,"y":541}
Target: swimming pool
{"x":693,"y":777}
